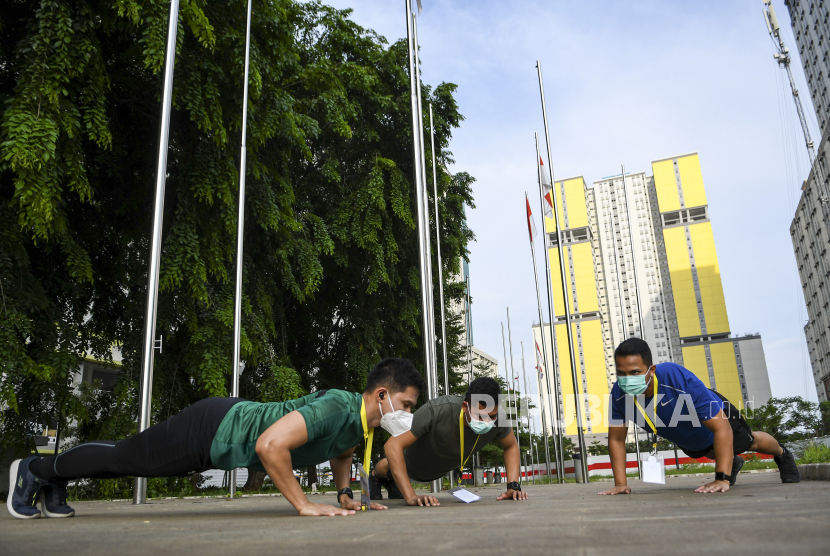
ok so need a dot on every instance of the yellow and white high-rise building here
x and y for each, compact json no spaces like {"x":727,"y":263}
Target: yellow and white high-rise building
{"x":697,"y":318}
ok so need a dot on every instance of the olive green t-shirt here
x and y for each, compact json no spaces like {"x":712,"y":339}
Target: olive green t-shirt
{"x":331,"y":416}
{"x":438,"y":448}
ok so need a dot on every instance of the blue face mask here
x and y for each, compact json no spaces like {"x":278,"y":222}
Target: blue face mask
{"x":633,"y":385}
{"x":480,"y":427}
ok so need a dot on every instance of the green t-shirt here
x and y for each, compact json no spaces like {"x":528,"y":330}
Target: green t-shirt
{"x":331,"y":416}
{"x":438,"y":448}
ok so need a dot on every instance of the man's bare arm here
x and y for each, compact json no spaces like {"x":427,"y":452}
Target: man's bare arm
{"x":341,"y":470}
{"x":397,"y":466}
{"x":274,"y":450}
{"x":724,"y":451}
{"x":513,"y":465}
{"x":616,"y":450}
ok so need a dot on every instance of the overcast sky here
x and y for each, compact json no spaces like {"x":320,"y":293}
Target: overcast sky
{"x":626,"y":83}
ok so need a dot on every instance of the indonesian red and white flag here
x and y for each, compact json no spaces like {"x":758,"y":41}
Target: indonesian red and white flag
{"x":531,"y":226}
{"x":539,"y":360}
{"x":547,"y":190}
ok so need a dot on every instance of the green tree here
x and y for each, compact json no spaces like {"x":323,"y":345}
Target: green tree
{"x":330,"y":268}
{"x":791,"y":418}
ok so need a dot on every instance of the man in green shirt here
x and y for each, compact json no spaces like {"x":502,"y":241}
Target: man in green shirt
{"x":227,"y":433}
{"x":433,"y":446}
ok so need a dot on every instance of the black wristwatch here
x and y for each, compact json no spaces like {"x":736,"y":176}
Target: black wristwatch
{"x":514,"y":486}
{"x":347,"y":491}
{"x":720,"y":476}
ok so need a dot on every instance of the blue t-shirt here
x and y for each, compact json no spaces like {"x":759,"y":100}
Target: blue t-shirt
{"x":678,"y":392}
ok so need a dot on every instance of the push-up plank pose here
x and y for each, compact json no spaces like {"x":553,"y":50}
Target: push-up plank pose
{"x":700,"y":421}
{"x":227,"y":433}
{"x":434,"y":445}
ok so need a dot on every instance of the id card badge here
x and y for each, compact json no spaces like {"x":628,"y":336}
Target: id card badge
{"x":653,"y":470}
{"x":365,"y":501}
{"x":464,"y":495}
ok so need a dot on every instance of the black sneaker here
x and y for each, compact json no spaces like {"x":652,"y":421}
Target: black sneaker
{"x":374,"y":488}
{"x":391,"y":488}
{"x":737,"y":463}
{"x":23,"y":490}
{"x":53,"y":500}
{"x":787,"y":468}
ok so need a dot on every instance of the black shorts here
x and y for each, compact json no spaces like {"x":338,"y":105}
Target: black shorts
{"x":742,"y":437}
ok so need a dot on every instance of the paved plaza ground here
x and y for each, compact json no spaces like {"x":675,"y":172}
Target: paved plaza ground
{"x":758,"y":516}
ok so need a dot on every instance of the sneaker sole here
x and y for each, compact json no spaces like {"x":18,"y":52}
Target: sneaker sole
{"x":47,"y":513}
{"x":13,"y":470}
{"x":735,"y":472}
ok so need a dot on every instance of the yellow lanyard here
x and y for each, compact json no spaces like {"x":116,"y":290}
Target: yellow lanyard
{"x":648,"y":420}
{"x":368,"y":436}
{"x":461,"y":433}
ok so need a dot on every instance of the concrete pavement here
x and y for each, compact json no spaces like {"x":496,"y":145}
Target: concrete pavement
{"x":758,"y":516}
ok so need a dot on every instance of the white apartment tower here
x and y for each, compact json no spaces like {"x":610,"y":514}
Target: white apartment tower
{"x":625,"y":213}
{"x":811,"y":27}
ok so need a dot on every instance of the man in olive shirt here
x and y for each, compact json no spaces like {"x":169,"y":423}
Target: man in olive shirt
{"x":227,"y":433}
{"x":432,"y":447}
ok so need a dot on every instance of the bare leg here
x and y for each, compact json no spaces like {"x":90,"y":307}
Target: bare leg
{"x":766,"y":444}
{"x":382,"y":469}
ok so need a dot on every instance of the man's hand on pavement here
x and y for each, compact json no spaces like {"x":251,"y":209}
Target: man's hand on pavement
{"x":512,"y":495}
{"x":324,"y":510}
{"x":349,"y":504}
{"x":423,"y":501}
{"x":619,"y":489}
{"x":714,"y":486}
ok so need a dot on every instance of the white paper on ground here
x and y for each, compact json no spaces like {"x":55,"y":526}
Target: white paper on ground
{"x":465,"y":495}
{"x":654,"y":471}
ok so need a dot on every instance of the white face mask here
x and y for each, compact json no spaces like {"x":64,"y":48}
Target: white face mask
{"x":397,"y":422}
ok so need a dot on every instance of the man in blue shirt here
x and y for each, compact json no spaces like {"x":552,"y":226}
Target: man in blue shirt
{"x":684,"y":411}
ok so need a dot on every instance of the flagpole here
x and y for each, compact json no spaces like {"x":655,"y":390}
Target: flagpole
{"x":542,"y":414}
{"x":240,"y":226}
{"x":425,"y":262}
{"x":515,"y":379}
{"x":559,"y":450}
{"x":541,"y":323}
{"x":428,"y":254}
{"x":148,"y":353}
{"x":469,"y":326}
{"x":438,"y":246}
{"x":506,"y":369}
{"x":577,"y":384}
{"x":419,"y":204}
{"x":531,"y":428}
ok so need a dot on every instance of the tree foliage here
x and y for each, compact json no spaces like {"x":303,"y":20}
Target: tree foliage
{"x":792,"y":418}
{"x":330,"y":280}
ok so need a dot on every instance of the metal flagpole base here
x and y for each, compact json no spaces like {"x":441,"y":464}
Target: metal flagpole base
{"x":435,"y":486}
{"x":232,"y":484}
{"x":140,"y":490}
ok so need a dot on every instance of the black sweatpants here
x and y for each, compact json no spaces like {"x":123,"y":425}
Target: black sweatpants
{"x":176,"y":447}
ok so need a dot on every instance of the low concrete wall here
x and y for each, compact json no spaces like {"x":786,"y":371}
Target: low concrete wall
{"x":815,"y":471}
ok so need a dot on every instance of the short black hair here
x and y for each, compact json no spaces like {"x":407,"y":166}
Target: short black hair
{"x":483,"y":385}
{"x":634,"y":346}
{"x":396,"y":375}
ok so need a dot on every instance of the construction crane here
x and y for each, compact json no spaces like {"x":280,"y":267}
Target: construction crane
{"x":782,"y":56}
